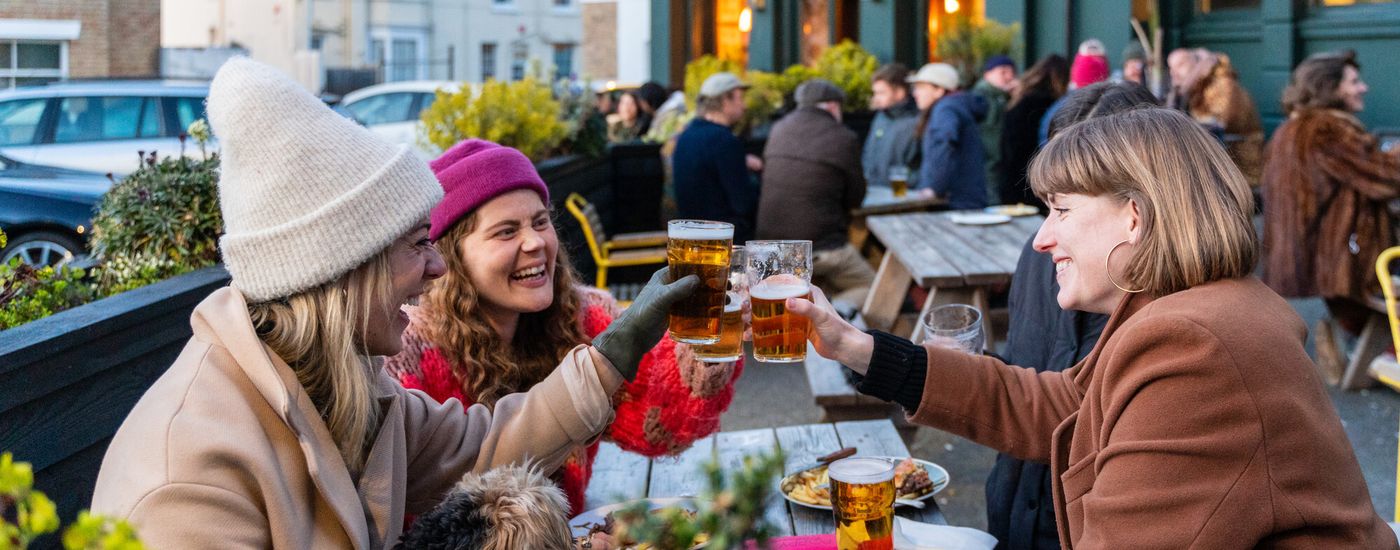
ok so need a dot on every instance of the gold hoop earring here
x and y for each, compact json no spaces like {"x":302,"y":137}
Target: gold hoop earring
{"x":1108,"y":272}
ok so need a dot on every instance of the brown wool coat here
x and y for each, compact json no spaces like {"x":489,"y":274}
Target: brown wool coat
{"x":1196,"y":422}
{"x":812,"y":179}
{"x":226,"y":450}
{"x":1314,"y":155}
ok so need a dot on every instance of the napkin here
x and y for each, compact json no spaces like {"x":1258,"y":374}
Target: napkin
{"x":913,"y":535}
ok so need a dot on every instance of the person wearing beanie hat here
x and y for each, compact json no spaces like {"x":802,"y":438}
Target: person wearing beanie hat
{"x":276,"y":427}
{"x":1088,"y":69}
{"x":510,"y":307}
{"x":996,"y":86}
{"x":1134,"y":68}
{"x":951,"y":143}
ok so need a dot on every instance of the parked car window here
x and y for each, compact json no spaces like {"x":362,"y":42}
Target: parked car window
{"x":188,"y":110}
{"x":424,"y":101}
{"x":19,"y":120}
{"x":383,"y":109}
{"x":102,"y":118}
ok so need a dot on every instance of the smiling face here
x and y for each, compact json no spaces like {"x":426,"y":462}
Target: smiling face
{"x":1352,"y":90}
{"x":926,"y":94}
{"x":627,"y":108}
{"x":1078,"y":234}
{"x":412,"y":262}
{"x":511,"y":254}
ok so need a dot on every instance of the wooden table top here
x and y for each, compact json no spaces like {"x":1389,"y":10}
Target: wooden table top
{"x":620,"y":476}
{"x":940,"y":253}
{"x":881,"y":200}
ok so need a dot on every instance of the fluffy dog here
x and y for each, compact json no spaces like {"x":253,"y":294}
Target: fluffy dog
{"x":506,"y":508}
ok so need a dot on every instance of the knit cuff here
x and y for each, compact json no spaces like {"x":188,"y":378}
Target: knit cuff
{"x":897,"y":369}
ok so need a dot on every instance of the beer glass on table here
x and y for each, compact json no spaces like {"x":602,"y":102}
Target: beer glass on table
{"x":955,"y":326}
{"x":731,"y":324}
{"x":862,"y":499}
{"x":899,"y":180}
{"x":701,"y":248}
{"x":778,"y":270}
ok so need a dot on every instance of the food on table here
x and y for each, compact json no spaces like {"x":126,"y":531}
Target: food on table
{"x":609,"y":527}
{"x":813,"y":486}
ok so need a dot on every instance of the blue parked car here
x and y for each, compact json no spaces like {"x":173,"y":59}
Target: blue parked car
{"x":46,"y":212}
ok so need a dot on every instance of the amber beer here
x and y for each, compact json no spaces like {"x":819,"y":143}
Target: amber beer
{"x":730,"y":346}
{"x":862,"y":499}
{"x":779,"y":336}
{"x":699,"y":248}
{"x":899,"y":180}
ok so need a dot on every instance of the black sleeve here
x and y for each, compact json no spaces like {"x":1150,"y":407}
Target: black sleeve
{"x":897,"y":369}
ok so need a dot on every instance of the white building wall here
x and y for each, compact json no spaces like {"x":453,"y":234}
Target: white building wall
{"x":633,"y":41}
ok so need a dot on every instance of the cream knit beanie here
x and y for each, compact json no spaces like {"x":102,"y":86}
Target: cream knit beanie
{"x":307,"y":194}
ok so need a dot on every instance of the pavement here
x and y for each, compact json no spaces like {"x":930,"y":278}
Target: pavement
{"x":770,"y":395}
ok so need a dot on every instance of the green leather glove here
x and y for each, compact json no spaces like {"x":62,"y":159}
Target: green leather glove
{"x":637,"y":330}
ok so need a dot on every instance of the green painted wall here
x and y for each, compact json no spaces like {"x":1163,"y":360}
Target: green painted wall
{"x":661,"y":41}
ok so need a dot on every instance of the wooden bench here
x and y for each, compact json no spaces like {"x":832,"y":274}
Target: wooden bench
{"x":1369,"y":348}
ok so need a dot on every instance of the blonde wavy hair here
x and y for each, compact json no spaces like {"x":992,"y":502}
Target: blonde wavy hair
{"x":460,"y":331}
{"x":319,"y":334}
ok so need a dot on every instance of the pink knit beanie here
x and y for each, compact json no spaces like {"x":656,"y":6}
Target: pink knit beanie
{"x":474,"y":172}
{"x":1088,"y":69}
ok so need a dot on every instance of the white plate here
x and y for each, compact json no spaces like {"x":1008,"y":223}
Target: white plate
{"x":1012,"y":210}
{"x":936,"y":474}
{"x":979,"y":218}
{"x":579,"y":524}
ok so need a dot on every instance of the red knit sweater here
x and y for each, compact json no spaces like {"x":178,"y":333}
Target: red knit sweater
{"x":674,"y":400}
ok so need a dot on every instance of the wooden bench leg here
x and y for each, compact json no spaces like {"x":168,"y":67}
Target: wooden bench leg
{"x":1371,"y":343}
{"x":891,"y":285}
{"x":941,"y":297}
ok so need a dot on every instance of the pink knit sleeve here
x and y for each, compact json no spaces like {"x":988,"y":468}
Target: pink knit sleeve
{"x":680,"y":402}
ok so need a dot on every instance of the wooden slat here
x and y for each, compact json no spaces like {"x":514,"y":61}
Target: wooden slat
{"x":879,"y":438}
{"x":887,"y":293}
{"x":732,"y":447}
{"x":999,"y":244}
{"x":681,"y":476}
{"x":618,"y":476}
{"x":828,"y":383}
{"x":905,"y":236}
{"x":802,"y":445}
{"x":952,"y":243}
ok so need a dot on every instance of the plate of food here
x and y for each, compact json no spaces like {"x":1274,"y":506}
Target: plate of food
{"x":1012,"y":210}
{"x":601,"y":519}
{"x":914,"y":479}
{"x":978,"y":218}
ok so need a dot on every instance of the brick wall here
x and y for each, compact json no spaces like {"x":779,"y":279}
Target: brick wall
{"x":119,"y":37}
{"x":599,"y":40}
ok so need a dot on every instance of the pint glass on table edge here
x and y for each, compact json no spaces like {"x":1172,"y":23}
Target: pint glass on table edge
{"x":862,"y":499}
{"x":701,"y":248}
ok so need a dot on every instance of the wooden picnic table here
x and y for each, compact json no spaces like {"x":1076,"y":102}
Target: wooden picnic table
{"x":620,"y":476}
{"x":955,"y":263}
{"x":880,"y":200}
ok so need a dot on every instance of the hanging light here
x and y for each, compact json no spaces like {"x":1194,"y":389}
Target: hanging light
{"x":951,"y":6}
{"x":746,"y":20}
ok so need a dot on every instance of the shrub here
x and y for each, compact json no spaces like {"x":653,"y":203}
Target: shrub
{"x":849,"y":66}
{"x":730,"y":510}
{"x":967,"y":43}
{"x":34,"y":515}
{"x":521,"y":114}
{"x":27,"y":293}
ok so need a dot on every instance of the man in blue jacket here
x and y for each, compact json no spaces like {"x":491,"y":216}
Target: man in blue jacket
{"x":710,"y":169}
{"x":953,"y":157}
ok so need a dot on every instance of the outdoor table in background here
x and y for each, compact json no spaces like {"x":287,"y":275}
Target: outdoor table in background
{"x":881,"y":200}
{"x":956,"y":263}
{"x":620,"y":476}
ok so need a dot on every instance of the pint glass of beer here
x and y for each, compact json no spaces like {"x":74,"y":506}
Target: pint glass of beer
{"x":899,"y":180}
{"x":731,"y":324}
{"x":778,"y":270}
{"x":862,"y":499}
{"x":701,"y":248}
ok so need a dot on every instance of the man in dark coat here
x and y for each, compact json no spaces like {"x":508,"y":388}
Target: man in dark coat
{"x":811,"y":181}
{"x":711,"y":171}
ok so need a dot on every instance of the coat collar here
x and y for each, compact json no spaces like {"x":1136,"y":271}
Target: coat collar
{"x":222,"y":320}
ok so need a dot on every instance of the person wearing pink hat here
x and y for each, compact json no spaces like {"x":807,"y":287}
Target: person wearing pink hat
{"x":510,"y":306}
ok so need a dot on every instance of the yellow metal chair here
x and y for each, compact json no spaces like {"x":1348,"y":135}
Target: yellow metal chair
{"x":1387,"y":371}
{"x":627,"y":249}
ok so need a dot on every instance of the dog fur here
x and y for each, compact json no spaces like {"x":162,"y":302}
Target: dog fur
{"x":506,"y":508}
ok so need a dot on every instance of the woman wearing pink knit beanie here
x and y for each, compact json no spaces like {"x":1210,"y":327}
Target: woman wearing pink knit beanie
{"x":277,"y":427}
{"x":509,"y":307}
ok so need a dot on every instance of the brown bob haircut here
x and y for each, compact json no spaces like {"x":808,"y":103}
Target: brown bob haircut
{"x":1196,"y":207}
{"x":1314,"y":83}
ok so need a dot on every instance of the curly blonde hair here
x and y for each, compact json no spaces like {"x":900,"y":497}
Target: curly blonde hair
{"x":456,"y":326}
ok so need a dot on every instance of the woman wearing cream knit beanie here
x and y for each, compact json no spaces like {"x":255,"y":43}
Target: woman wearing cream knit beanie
{"x":276,"y":426}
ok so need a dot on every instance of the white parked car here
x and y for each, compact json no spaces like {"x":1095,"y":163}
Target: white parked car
{"x":98,"y":126}
{"x":391,"y":110}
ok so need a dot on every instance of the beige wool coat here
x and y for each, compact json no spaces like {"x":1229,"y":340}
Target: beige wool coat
{"x":226,"y":450}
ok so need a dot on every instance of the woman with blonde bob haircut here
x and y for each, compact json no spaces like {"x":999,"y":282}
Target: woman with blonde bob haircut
{"x":1197,"y":421}
{"x":277,"y":426}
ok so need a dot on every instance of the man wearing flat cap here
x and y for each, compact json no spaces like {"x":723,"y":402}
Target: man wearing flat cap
{"x":710,"y":169}
{"x":812,"y":179}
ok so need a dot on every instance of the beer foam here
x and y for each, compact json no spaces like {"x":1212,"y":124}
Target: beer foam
{"x":861,"y":470}
{"x":782,"y":291}
{"x":700,"y":231}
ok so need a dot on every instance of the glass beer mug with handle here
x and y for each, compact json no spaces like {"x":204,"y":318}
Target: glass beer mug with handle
{"x":778,"y":270}
{"x":730,"y":346}
{"x":701,"y":248}
{"x":862,"y":499}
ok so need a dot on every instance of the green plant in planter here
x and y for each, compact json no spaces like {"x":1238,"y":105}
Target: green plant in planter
{"x":697,"y":71}
{"x":28,"y":293}
{"x":26,"y":514}
{"x":521,"y":114}
{"x":849,"y":66}
{"x":730,"y":510}
{"x":967,"y":43}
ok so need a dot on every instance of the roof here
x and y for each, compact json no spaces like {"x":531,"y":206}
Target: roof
{"x":110,"y":87}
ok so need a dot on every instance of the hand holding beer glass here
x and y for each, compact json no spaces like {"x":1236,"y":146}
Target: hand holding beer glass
{"x":731,"y":327}
{"x":700,"y":248}
{"x":778,"y":270}
{"x":899,"y":180}
{"x":862,"y":499}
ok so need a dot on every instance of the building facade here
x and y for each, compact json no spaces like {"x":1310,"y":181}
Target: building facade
{"x":47,"y":40}
{"x":462,"y":40}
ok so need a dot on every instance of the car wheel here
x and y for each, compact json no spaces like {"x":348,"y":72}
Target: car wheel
{"x":43,"y":248}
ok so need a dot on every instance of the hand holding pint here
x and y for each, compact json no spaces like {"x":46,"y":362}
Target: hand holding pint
{"x":700,"y":248}
{"x":778,"y":270}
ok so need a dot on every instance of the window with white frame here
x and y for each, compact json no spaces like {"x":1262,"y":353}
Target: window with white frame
{"x":519,"y":56}
{"x":488,"y":61}
{"x":24,"y":62}
{"x":401,"y":53}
